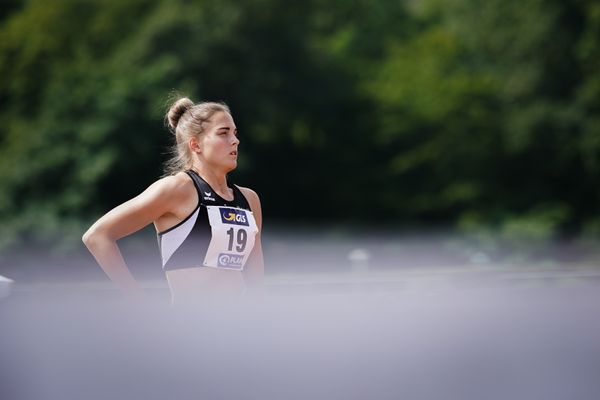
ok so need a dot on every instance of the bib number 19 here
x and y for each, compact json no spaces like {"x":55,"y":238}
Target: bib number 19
{"x":241,"y":239}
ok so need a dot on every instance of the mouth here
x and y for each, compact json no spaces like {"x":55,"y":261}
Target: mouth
{"x":234,"y":153}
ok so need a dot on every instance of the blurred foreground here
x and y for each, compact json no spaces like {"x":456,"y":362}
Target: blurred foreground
{"x":428,"y":324}
{"x":483,"y":343}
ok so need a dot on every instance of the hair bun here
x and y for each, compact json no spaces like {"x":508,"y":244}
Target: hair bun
{"x":177,"y":110}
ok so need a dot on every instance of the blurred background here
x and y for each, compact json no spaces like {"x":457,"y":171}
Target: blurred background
{"x":429,"y":173}
{"x":362,"y":124}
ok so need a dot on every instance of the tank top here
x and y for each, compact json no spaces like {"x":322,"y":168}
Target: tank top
{"x":219,"y":233}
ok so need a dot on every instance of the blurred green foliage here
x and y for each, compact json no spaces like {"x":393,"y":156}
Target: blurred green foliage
{"x":377,"y":112}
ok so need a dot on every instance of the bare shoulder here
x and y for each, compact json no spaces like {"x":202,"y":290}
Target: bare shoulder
{"x":254,"y":203}
{"x":251,"y":196}
{"x":175,"y":187}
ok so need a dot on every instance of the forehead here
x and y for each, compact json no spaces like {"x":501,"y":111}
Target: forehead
{"x":222,"y":119}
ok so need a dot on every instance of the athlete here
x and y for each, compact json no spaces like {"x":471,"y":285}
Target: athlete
{"x":208,"y":229}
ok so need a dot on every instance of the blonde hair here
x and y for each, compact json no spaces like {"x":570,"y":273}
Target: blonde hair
{"x":186,"y":120}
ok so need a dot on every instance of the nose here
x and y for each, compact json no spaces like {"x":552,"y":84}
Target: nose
{"x":235,"y":140}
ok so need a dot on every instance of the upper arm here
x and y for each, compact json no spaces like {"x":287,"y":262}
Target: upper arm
{"x":158,"y":199}
{"x":254,"y":202}
{"x":256,"y":267}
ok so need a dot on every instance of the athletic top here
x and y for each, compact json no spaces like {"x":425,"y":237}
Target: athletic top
{"x":218,"y":233}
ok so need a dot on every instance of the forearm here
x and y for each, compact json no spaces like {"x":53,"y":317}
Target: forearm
{"x":107,"y":254}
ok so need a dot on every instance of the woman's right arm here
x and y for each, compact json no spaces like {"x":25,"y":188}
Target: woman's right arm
{"x":101,"y":238}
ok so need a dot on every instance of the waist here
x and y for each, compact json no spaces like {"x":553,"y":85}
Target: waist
{"x":203,"y":282}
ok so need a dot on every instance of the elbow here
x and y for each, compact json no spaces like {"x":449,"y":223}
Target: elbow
{"x":88,"y":238}
{"x":91,"y":238}
{"x":97,"y":237}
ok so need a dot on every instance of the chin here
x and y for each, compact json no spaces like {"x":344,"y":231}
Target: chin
{"x":230,"y":167}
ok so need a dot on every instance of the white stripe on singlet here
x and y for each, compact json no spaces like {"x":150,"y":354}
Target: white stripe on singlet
{"x":171,"y":240}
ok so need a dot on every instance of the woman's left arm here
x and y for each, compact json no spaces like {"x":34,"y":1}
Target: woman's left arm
{"x":254,"y":270}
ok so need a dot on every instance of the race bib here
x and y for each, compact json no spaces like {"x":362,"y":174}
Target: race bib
{"x":233,"y":233}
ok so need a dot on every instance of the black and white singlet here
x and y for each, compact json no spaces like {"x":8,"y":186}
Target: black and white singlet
{"x":218,"y":233}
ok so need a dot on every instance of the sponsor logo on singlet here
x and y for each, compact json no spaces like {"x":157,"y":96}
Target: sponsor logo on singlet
{"x":230,"y":260}
{"x":233,"y":216}
{"x":208,"y":196}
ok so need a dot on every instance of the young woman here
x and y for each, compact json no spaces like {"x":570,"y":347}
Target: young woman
{"x":208,"y":230}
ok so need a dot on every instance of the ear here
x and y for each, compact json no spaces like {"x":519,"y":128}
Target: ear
{"x":195,"y":145}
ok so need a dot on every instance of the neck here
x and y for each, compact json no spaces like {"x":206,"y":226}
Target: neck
{"x":216,"y":180}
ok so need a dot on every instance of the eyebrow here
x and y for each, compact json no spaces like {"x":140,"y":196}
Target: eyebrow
{"x":227,"y":128}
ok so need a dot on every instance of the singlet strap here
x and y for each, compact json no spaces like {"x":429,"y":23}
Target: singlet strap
{"x":203,"y":189}
{"x":208,"y":197}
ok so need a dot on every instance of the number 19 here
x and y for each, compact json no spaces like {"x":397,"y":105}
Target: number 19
{"x":242,"y":237}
